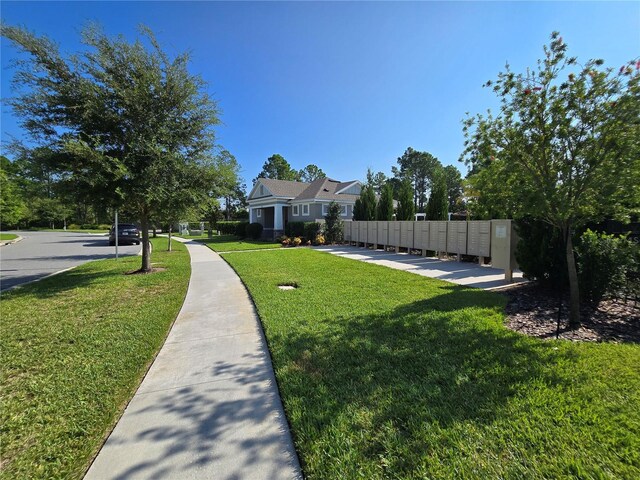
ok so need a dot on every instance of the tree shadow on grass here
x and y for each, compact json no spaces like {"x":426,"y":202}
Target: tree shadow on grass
{"x":430,"y":364}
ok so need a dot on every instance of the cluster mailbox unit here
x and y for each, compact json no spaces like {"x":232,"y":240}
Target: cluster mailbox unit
{"x":482,"y":238}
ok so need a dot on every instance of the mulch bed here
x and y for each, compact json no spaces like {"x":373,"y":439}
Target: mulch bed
{"x":533,"y":311}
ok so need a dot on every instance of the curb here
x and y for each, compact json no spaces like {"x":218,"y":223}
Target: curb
{"x":10,"y":242}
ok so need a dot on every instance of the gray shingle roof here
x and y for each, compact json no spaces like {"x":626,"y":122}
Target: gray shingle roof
{"x":283,"y":188}
{"x":322,"y":188}
{"x":325,"y":188}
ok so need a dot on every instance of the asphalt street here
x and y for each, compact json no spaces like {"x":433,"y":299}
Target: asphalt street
{"x":39,"y":254}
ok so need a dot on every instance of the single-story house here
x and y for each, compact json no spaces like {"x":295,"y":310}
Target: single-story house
{"x":275,"y":203}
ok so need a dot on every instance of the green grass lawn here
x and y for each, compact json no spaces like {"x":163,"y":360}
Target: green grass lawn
{"x":7,"y":236}
{"x":385,"y":374}
{"x":74,"y":349}
{"x":231,"y":243}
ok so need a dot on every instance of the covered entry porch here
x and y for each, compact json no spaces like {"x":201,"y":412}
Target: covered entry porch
{"x":273,"y":217}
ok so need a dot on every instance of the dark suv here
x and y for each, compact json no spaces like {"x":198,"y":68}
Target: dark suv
{"x":127,"y":233}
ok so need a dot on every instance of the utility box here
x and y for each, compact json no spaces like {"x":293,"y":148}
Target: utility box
{"x":421,"y":236}
{"x":438,"y":236}
{"x":362,"y":226}
{"x":355,"y":232}
{"x":457,"y":237}
{"x":372,"y":233}
{"x":503,"y":247}
{"x":406,"y":234}
{"x":479,"y":238}
{"x":383,"y":233}
{"x":394,"y":234}
{"x":346,"y":231}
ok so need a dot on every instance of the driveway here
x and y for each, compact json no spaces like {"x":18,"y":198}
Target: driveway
{"x":42,"y":253}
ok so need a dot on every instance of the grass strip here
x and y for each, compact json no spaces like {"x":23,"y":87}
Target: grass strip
{"x":231,"y":243}
{"x":74,"y":349}
{"x":385,"y":374}
{"x":7,"y":236}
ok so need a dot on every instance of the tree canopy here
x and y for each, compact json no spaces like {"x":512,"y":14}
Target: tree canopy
{"x":278,"y":168}
{"x":565,"y":147}
{"x":418,"y":169}
{"x":310,"y":173}
{"x":127,"y":122}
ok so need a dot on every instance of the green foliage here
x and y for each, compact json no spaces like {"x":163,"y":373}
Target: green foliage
{"x":12,"y":206}
{"x":563,"y":149}
{"x":385,"y":205}
{"x":387,"y":374}
{"x":438,"y":202}
{"x":294,"y":229}
{"x":540,"y":253}
{"x":368,"y":203}
{"x":278,"y":168}
{"x":241,"y":229}
{"x":406,"y":208}
{"x":228,"y":227}
{"x":312,"y":229}
{"x":334,"y":230}
{"x":254,"y":230}
{"x":607,"y":265}
{"x":91,"y":334}
{"x":124,"y":122}
{"x":377,"y":181}
{"x":358,"y":211}
{"x":418,"y":169}
{"x":454,"y":189}
{"x":310,"y":173}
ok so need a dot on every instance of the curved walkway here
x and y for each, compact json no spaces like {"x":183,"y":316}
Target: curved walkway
{"x":209,"y":406}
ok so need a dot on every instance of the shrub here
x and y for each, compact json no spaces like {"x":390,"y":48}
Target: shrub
{"x":74,"y":226}
{"x":294,"y":229}
{"x":296,"y":241}
{"x":333,"y":227}
{"x":540,"y":253}
{"x":104,"y":226}
{"x":285,"y":241}
{"x":90,"y":226}
{"x":312,"y":229}
{"x":228,"y":227}
{"x":319,"y":240}
{"x":254,"y":230}
{"x":606,"y":264}
{"x":241,"y":229}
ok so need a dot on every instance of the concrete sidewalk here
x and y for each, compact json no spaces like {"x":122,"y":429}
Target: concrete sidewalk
{"x":462,"y":273}
{"x":209,"y":406}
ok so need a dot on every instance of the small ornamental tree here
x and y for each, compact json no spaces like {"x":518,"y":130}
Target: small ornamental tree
{"x":406,"y":207}
{"x":564,"y":148}
{"x":358,"y":211}
{"x":385,"y":204}
{"x":333,"y":231}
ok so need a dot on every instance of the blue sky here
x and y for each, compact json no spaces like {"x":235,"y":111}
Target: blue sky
{"x":344,"y":85}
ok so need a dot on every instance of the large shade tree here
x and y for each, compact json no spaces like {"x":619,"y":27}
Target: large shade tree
{"x":125,"y":119}
{"x":565,"y":147}
{"x":278,"y":168}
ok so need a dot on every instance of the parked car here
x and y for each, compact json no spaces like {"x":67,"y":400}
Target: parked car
{"x":127,"y":233}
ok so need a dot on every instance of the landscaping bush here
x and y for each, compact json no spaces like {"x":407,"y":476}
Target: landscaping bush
{"x":294,"y":229}
{"x":296,"y":241}
{"x":89,"y":226}
{"x":319,"y":240}
{"x":607,"y":265}
{"x":228,"y":227}
{"x":540,"y":253}
{"x":104,"y":226}
{"x":312,"y":229}
{"x":241,"y":229}
{"x":285,"y":241}
{"x":254,"y":230}
{"x":334,"y":231}
{"x":73,"y":226}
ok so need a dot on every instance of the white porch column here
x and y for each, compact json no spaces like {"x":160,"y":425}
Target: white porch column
{"x":251,"y":220}
{"x":278,"y":223}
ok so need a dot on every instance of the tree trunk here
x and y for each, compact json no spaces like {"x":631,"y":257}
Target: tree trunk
{"x":146,"y":250}
{"x":574,"y":291}
{"x":169,"y":247}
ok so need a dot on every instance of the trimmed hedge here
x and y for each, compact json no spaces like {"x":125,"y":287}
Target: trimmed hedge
{"x":228,"y":227}
{"x":254,"y":230}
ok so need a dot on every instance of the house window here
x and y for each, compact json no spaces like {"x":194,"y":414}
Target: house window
{"x":305,"y":209}
{"x":259,"y":212}
{"x":325,"y":209}
{"x":295,"y":210}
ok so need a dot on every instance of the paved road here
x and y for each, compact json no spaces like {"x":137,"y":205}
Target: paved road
{"x":42,"y":253}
